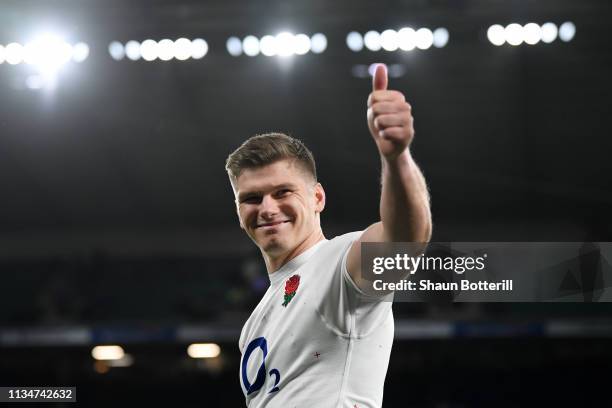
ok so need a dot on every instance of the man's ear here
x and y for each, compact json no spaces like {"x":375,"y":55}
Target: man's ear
{"x":319,"y":194}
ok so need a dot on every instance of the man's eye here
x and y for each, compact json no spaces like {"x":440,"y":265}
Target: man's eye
{"x":283,"y":192}
{"x":251,"y":200}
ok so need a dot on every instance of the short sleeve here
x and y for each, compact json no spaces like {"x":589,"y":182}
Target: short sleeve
{"x":343,"y":305}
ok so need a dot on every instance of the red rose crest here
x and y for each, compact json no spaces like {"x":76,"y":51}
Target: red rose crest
{"x":291,"y":286}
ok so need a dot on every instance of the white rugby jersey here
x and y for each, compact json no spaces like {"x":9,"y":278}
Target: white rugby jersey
{"x":314,"y":339}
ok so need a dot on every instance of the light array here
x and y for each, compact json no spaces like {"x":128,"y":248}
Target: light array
{"x":405,"y":39}
{"x":531,"y":33}
{"x":47,"y":52}
{"x":284,"y":44}
{"x":164,"y":50}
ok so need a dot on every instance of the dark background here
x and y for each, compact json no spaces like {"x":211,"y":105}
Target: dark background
{"x":117,"y":222}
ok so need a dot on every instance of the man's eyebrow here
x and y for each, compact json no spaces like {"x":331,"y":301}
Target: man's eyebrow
{"x":244,"y":194}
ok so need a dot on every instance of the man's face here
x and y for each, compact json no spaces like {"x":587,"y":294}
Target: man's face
{"x":278,"y":206}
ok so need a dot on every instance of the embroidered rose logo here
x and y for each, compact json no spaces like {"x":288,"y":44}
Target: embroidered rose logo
{"x":291,"y":287}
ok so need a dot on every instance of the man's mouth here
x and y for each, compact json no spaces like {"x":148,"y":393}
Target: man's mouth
{"x":271,"y":224}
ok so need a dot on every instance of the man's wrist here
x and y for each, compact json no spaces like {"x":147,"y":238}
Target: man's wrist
{"x":397,"y":163}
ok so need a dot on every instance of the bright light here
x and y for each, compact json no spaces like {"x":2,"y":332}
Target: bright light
{"x":80,"y":52}
{"x":372,"y":69}
{"x":199,"y":48}
{"x":407,"y":39}
{"x":267,"y":45}
{"x":354,"y":41}
{"x":14,"y":53}
{"x":107,"y":352}
{"x":250,"y":45}
{"x":532,"y":33}
{"x":371,"y":39}
{"x":389,"y":40}
{"x":182,"y":49}
{"x":318,"y":43}
{"x":514,"y":34}
{"x":424,"y":38}
{"x":165,"y":50}
{"x":132,"y":50}
{"x":284,"y":44}
{"x":567,"y":31}
{"x":203,"y":350}
{"x":2,"y":54}
{"x":440,"y":37}
{"x":549,"y":32}
{"x":148,"y":50}
{"x":234,"y":46}
{"x":48,"y":53}
{"x":496,"y":35}
{"x":116,"y":50}
{"x":302,"y":44}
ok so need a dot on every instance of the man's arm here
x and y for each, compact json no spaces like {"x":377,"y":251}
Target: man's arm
{"x":404,"y":202}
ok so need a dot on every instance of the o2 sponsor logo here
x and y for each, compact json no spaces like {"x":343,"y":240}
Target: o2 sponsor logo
{"x":260,"y":379}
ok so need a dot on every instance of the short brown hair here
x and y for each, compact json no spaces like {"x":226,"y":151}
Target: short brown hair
{"x":261,"y":150}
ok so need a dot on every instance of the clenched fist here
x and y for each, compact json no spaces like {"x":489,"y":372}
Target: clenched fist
{"x":389,"y":117}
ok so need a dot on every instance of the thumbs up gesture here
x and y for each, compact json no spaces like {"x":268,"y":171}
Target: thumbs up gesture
{"x":389,"y":117}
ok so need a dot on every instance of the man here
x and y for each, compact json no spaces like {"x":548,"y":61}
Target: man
{"x":317,"y":339}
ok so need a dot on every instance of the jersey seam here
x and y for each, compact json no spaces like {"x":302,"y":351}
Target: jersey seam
{"x":351,"y":340}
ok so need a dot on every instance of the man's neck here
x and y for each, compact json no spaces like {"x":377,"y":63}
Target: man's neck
{"x":273,"y":264}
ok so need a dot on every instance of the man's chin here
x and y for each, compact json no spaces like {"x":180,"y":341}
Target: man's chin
{"x":273,"y":247}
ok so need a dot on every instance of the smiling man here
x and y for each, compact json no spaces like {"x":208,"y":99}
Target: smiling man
{"x":317,"y":339}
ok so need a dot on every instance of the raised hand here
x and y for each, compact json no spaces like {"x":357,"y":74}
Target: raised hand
{"x":389,"y":117}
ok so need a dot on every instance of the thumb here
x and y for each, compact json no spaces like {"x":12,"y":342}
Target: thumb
{"x":379,"y":81}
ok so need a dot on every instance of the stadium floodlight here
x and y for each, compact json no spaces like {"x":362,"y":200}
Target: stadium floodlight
{"x":513,"y":34}
{"x":199,"y":48}
{"x":80,"y":52}
{"x":165,"y":49}
{"x":132,"y":50}
{"x":267,"y":45}
{"x":285,"y":44}
{"x":371,"y":39}
{"x":48,"y":52}
{"x":318,"y":43}
{"x":440,"y":37}
{"x":354,"y":41}
{"x":14,"y":53}
{"x":549,"y":32}
{"x":250,"y":45}
{"x":567,"y":31}
{"x":407,"y":39}
{"x":182,"y":49}
{"x":389,"y":40}
{"x":148,"y":50}
{"x":496,"y":35}
{"x":532,"y":33}
{"x":424,"y":38}
{"x":302,"y":44}
{"x":234,"y":46}
{"x":116,"y":50}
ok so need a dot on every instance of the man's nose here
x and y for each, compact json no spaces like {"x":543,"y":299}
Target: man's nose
{"x":268,"y":206}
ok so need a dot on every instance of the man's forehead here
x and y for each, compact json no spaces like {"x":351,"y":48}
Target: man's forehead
{"x":279,"y":173}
